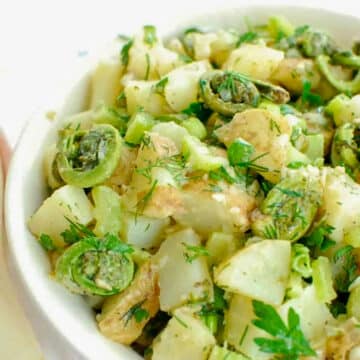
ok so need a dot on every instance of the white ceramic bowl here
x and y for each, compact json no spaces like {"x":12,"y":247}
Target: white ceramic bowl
{"x":64,"y":324}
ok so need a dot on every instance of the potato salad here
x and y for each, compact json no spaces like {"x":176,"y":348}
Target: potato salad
{"x":206,"y":202}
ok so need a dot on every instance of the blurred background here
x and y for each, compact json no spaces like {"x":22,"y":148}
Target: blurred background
{"x":41,"y":43}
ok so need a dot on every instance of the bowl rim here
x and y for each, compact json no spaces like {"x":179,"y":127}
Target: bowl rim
{"x":14,"y":182}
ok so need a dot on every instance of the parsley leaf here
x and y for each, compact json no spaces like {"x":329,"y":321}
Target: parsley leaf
{"x":247,"y":37}
{"x":124,"y":53}
{"x":193,"y":252}
{"x":199,"y":110}
{"x":159,"y":87}
{"x":136,"y":312}
{"x":47,"y":242}
{"x":309,"y":97}
{"x":75,"y":232}
{"x":290,"y":342}
{"x":318,"y":238}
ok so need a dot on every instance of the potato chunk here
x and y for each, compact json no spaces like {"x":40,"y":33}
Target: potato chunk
{"x":257,"y":61}
{"x":117,"y":320}
{"x":259,"y":271}
{"x":184,"y":338}
{"x":50,"y":219}
{"x":267,"y":132}
{"x":182,"y":275}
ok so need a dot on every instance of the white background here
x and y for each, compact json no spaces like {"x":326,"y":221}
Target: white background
{"x":40,"y":42}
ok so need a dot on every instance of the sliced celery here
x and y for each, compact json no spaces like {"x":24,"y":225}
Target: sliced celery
{"x":322,"y":279}
{"x":314,"y":147}
{"x":353,"y":304}
{"x":107,"y":211}
{"x":195,"y":127}
{"x":199,"y":155}
{"x":280,"y":26}
{"x":139,"y":123}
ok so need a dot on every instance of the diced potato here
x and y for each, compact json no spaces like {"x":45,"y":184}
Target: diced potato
{"x":141,"y":94}
{"x":221,"y":47}
{"x":221,"y":246}
{"x":142,"y":231}
{"x":207,"y":211}
{"x":239,"y":330}
{"x":105,"y":82}
{"x":184,"y":338}
{"x":292,"y":72}
{"x":260,"y":271}
{"x":164,"y":198}
{"x":202,"y":44}
{"x":180,"y":279}
{"x":117,"y":320}
{"x":314,"y":315}
{"x":257,"y":61}
{"x":182,"y":87}
{"x":341,"y":205}
{"x":272,"y":140}
{"x":50,"y":219}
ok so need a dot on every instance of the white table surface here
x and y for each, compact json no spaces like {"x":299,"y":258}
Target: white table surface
{"x":39,"y":42}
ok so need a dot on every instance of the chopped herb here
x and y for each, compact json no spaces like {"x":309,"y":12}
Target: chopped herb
{"x":150,"y":37}
{"x":301,"y":30}
{"x":75,"y":232}
{"x":239,"y":152}
{"x":222,"y":174}
{"x":124,"y":53}
{"x":199,"y":110}
{"x":159,"y":87}
{"x":112,"y":242}
{"x":289,"y":192}
{"x":173,"y":164}
{"x":47,"y":242}
{"x":309,"y":97}
{"x":193,"y":252}
{"x":243,"y":336}
{"x":181,"y":322}
{"x":136,"y":312}
{"x":270,"y":232}
{"x":247,"y":37}
{"x":147,"y":73}
{"x":295,"y":165}
{"x":265,"y":185}
{"x":192,"y":30}
{"x":318,"y":238}
{"x":185,"y":58}
{"x":275,"y":126}
{"x":147,"y":197}
{"x":337,"y":307}
{"x":287,"y":109}
{"x":290,"y":342}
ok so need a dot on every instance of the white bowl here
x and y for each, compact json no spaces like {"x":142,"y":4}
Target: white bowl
{"x":63,"y":322}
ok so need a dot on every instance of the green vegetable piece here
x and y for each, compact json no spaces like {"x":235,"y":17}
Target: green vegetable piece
{"x":139,"y":123}
{"x":346,"y":58}
{"x":228,"y":92}
{"x":221,"y":353}
{"x":353,"y":304}
{"x":322,"y":279}
{"x":239,"y":152}
{"x":352,"y":237}
{"x":199,"y":110}
{"x":300,"y":260}
{"x":195,"y":127}
{"x":247,"y":37}
{"x":199,"y":155}
{"x":337,"y":107}
{"x":309,"y":97}
{"x":289,"y":208}
{"x":345,"y":86}
{"x":345,"y":148}
{"x":314,"y":43}
{"x":345,"y":268}
{"x":107,"y":211}
{"x":315,"y":146}
{"x":150,"y":37}
{"x":289,"y":340}
{"x":87,"y":158}
{"x":124,"y":53}
{"x":96,"y":266}
{"x":47,"y":242}
{"x":318,"y":239}
{"x":280,"y":26}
